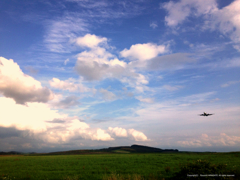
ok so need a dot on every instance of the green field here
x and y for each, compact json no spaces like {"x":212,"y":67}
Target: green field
{"x":104,"y":166}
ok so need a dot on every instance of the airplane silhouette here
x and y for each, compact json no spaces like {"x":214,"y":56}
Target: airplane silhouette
{"x":205,"y":114}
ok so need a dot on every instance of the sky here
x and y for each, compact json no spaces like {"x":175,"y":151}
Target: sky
{"x":86,"y":74}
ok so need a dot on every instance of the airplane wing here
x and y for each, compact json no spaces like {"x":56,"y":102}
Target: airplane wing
{"x":205,"y":114}
{"x":209,"y":114}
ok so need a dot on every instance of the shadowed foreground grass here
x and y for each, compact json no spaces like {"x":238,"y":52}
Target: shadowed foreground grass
{"x":117,"y":166}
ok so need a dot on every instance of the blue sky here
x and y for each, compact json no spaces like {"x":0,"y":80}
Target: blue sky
{"x":77,"y":74}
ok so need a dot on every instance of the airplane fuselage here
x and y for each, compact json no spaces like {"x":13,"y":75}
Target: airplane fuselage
{"x":205,"y":114}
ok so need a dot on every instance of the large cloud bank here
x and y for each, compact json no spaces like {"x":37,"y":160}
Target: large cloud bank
{"x":19,"y":86}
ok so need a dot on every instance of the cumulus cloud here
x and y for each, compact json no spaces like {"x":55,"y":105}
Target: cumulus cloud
{"x":74,"y":128}
{"x":97,"y":64}
{"x":19,"y":86}
{"x":46,"y":124}
{"x":90,"y":40}
{"x":31,"y":116}
{"x":101,"y":135}
{"x":137,"y":135}
{"x":67,"y":85}
{"x":225,"y":20}
{"x":143,"y":51}
{"x":119,"y":132}
{"x":179,"y":11}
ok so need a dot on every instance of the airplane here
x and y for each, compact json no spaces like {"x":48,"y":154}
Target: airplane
{"x":205,"y":114}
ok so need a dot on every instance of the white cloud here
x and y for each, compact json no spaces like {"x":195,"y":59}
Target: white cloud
{"x":63,"y":31}
{"x":232,"y":63}
{"x":230,"y":83}
{"x":90,"y":40}
{"x":228,"y":63}
{"x":143,"y":51}
{"x":137,"y":135}
{"x":46,"y":124}
{"x":31,"y":116}
{"x":108,"y":9}
{"x":107,"y":95}
{"x":98,"y":64}
{"x":101,"y":135}
{"x":90,"y":4}
{"x":19,"y":86}
{"x":66,"y":61}
{"x":153,"y":25}
{"x":225,"y":20}
{"x":68,"y":85}
{"x":137,"y":81}
{"x":206,"y":140}
{"x":147,"y":100}
{"x":179,"y":11}
{"x":119,"y":132}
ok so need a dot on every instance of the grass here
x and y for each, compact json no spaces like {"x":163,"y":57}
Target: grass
{"x":116,"y":166}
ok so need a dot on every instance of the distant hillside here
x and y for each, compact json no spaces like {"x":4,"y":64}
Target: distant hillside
{"x":10,"y":153}
{"x":119,"y":149}
{"x":140,"y":149}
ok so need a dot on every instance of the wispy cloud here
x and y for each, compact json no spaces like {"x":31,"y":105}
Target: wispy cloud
{"x":68,"y":102}
{"x":66,"y":61}
{"x":146,"y":100}
{"x":205,"y":140}
{"x":172,"y":88}
{"x":107,"y":95}
{"x":229,"y":83}
{"x":61,"y":32}
{"x":153,"y":25}
{"x":172,"y":61}
{"x":109,"y":9}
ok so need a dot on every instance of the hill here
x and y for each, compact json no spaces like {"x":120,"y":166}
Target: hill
{"x":140,"y":149}
{"x":119,"y":149}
